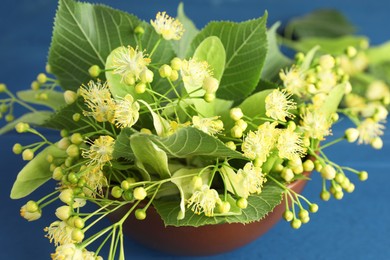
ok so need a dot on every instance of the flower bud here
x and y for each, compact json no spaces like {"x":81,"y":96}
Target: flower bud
{"x":76,"y":138}
{"x":78,"y":222}
{"x":210,"y":84}
{"x":146,"y":76}
{"x":174,"y":75}
{"x":35,"y":85}
{"x":30,"y":216}
{"x":139,"y":30}
{"x":308,"y":165}
{"x":140,"y":88}
{"x":17,"y":148}
{"x":76,"y":117}
{"x":77,"y":235}
{"x":63,"y":212}
{"x":296,"y":223}
{"x":22,"y":127}
{"x":236,"y":131}
{"x":351,"y":51}
{"x":28,"y":155}
{"x":209,"y":97}
{"x":224,"y":207}
{"x":94,"y":71}
{"x":70,"y":97}
{"x":242,"y":124}
{"x":66,"y":196}
{"x":313,"y":208}
{"x":325,"y":195}
{"x":140,"y":193}
{"x":57,"y":174}
{"x":377,"y":143}
{"x":73,"y":151}
{"x":327,"y":62}
{"x":116,"y":192}
{"x":288,"y":215}
{"x":351,"y":134}
{"x":64,"y":143}
{"x":236,"y":113}
{"x":242,"y":203}
{"x":176,"y":63}
{"x":363,"y":175}
{"x":165,"y":71}
{"x":231,"y":145}
{"x":9,"y":118}
{"x":287,"y":174}
{"x":196,"y":182}
{"x":3,"y":87}
{"x":42,"y":78}
{"x":328,"y":172}
{"x":140,"y":214}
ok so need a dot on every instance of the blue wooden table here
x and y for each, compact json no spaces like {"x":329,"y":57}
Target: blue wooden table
{"x":356,"y":227}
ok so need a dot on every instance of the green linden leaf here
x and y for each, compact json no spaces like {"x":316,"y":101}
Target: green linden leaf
{"x":332,"y":101}
{"x":259,"y":205}
{"x":181,"y":46}
{"x":34,"y":118}
{"x":80,"y":41}
{"x":245,"y":44}
{"x":55,"y":99}
{"x":320,"y":23}
{"x":334,"y":46}
{"x":122,"y":148}
{"x":379,"y":54}
{"x":35,"y":173}
{"x":275,"y":60}
{"x":211,"y":50}
{"x":149,"y":157}
{"x":254,"y":106}
{"x":190,"y":141}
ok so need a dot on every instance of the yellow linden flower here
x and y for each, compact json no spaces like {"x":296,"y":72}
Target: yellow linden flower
{"x":294,"y":81}
{"x":210,"y":125}
{"x":168,"y":27}
{"x":316,"y":124}
{"x":126,"y":112}
{"x":129,"y":63}
{"x":290,"y":144}
{"x":327,"y":80}
{"x":100,"y":151}
{"x":67,"y":251}
{"x":194,"y":72}
{"x":30,"y":216}
{"x":369,"y":129}
{"x":59,"y":233}
{"x":253,"y":178}
{"x":98,"y":99}
{"x":204,"y":201}
{"x":95,"y":180}
{"x":257,"y":145}
{"x":278,"y":105}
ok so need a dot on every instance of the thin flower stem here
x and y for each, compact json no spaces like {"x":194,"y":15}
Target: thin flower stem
{"x":155,"y":47}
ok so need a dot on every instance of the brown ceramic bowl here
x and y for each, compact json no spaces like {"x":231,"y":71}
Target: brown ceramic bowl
{"x":209,"y":239}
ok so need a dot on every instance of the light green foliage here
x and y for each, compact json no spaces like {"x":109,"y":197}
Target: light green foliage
{"x":245,"y":44}
{"x":55,"y":99}
{"x":35,"y":173}
{"x":33,"y":118}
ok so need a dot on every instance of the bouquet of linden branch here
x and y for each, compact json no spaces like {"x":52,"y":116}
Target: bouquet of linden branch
{"x":206,"y":126}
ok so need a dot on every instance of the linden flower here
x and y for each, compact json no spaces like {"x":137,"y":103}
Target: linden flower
{"x":129,"y":63}
{"x":253,"y":178}
{"x":67,"y":251}
{"x":327,"y":80}
{"x":294,"y":81}
{"x":95,"y":181}
{"x":126,"y":112}
{"x":59,"y":232}
{"x":30,"y":216}
{"x":257,"y":145}
{"x":98,"y":99}
{"x":168,"y":27}
{"x":290,"y":144}
{"x":204,"y":200}
{"x":210,"y":125}
{"x":316,"y":124}
{"x":277,"y":105}
{"x":194,"y":72}
{"x":369,"y":129}
{"x":100,"y":151}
